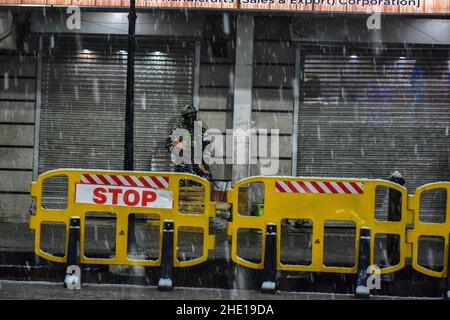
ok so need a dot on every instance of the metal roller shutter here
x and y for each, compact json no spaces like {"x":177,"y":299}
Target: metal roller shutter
{"x":367,"y":116}
{"x":164,"y":84}
{"x":83,"y":103}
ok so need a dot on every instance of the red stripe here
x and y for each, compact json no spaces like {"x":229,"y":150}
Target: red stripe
{"x":304,"y":187}
{"x":330,"y":186}
{"x":166,"y":179}
{"x":101,"y":177}
{"x":316,"y":185}
{"x":117,"y":180}
{"x":279,"y":187}
{"x":343,"y":187}
{"x":155,"y":180}
{"x":289,"y":184}
{"x":88,"y":176}
{"x":130,"y":181}
{"x":356,"y":187}
{"x":144,"y":182}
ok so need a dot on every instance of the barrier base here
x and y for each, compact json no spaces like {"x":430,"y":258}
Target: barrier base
{"x":268,"y":287}
{"x":362,"y":292}
{"x":269,"y":276}
{"x":165,"y":282}
{"x":72,"y":281}
{"x":165,"y":285}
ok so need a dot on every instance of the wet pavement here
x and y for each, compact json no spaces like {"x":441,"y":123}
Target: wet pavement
{"x":55,"y":291}
{"x":18,"y":262}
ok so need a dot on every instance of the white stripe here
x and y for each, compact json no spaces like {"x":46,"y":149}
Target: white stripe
{"x":336,"y":187}
{"x":361,"y":186}
{"x":350,"y":187}
{"x":136,"y":180}
{"x":163,"y":182}
{"x":311,"y":187}
{"x":298,"y":186}
{"x":84,"y":179}
{"x":150,"y":182}
{"x":289,"y":189}
{"x":110,"y":180}
{"x":124,"y":181}
{"x":96,"y":179}
{"x":284,"y":186}
{"x":324,"y":187}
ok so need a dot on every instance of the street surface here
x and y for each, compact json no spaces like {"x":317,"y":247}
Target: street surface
{"x":47,"y":290}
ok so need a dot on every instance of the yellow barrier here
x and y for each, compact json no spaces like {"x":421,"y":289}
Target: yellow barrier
{"x":318,"y":200}
{"x":123,"y":193}
{"x":182,"y":207}
{"x":428,"y":229}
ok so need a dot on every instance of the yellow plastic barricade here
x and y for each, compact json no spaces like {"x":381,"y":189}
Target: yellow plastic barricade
{"x":317,"y":200}
{"x":436,"y":231}
{"x":123,"y":193}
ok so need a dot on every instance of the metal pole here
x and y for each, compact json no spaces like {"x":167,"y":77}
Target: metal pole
{"x":243,"y":86}
{"x":73,"y":271}
{"x":129,"y":109}
{"x":37,"y":116}
{"x":196,"y":88}
{"x":269,"y":277}
{"x":166,"y":271}
{"x":129,"y":112}
{"x":296,"y":105}
{"x":394,"y":215}
{"x":362,"y":290}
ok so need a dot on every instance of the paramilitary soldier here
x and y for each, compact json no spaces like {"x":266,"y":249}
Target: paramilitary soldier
{"x":175,"y":140}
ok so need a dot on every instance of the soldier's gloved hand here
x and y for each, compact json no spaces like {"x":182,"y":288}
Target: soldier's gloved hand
{"x":203,"y":169}
{"x":177,"y":144}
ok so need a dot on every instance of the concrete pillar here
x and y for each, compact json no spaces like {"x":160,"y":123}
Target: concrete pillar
{"x":243,"y":81}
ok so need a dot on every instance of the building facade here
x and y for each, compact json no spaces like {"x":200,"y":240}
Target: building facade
{"x":347,"y":100}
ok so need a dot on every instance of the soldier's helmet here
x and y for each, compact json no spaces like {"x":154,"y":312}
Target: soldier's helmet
{"x":188,"y":110}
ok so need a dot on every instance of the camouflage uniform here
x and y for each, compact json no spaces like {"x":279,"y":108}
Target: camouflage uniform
{"x":189,"y":115}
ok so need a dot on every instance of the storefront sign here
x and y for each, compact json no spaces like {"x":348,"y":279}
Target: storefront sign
{"x":386,"y":6}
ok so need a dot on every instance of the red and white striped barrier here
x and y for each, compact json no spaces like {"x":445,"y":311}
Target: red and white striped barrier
{"x":331,"y":187}
{"x":155,"y":182}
